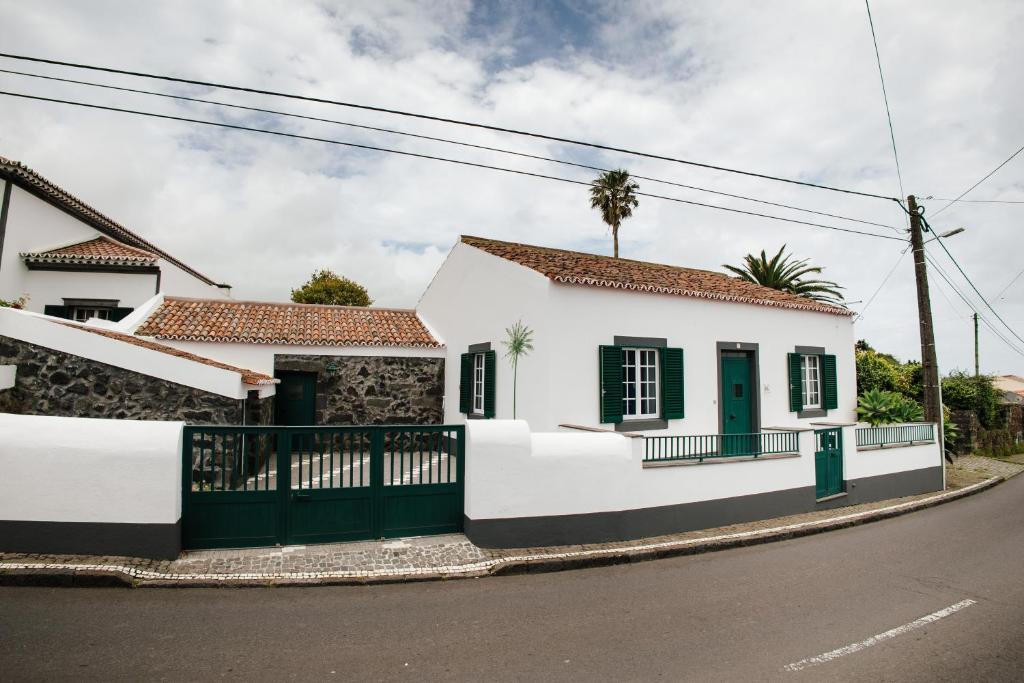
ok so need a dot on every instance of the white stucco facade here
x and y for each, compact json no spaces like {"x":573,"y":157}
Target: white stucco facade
{"x":34,"y":225}
{"x":475,"y":296}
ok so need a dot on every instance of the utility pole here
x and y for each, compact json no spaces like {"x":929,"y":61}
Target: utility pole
{"x":977,"y":366}
{"x":929,"y":363}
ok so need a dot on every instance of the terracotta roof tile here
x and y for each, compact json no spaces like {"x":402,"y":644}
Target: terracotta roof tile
{"x":28,"y":179}
{"x":101,"y":250}
{"x":577,"y":268}
{"x":285,"y":323}
{"x":248,"y":376}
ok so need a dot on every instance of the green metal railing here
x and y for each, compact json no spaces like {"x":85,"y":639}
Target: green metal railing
{"x":705,"y":446}
{"x":895,"y":434}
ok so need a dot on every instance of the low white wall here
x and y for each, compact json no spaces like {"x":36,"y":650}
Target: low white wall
{"x":66,"y":469}
{"x":512,"y":473}
{"x":873,"y":461}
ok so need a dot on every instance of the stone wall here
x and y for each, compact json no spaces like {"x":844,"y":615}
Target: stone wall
{"x":973,"y":437}
{"x":373,"y":389}
{"x":50,"y":382}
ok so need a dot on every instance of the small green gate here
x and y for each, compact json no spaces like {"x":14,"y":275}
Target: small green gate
{"x":828,"y":462}
{"x":257,"y":486}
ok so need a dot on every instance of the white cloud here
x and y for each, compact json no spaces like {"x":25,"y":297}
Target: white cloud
{"x":787,"y":88}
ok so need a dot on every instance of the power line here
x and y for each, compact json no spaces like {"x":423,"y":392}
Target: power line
{"x":440,"y":119}
{"x":978,"y":201}
{"x":986,"y":177}
{"x":971,"y":306}
{"x":449,"y":141}
{"x":976,"y":291}
{"x":884,"y":280}
{"x":434,"y":158}
{"x":885,"y":98}
{"x":1015,"y":278}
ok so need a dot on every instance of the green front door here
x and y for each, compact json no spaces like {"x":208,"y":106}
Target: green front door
{"x":737,"y":405}
{"x":296,"y":399}
{"x":828,"y":462}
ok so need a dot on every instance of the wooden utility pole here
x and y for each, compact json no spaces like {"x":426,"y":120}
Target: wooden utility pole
{"x":929,"y":363}
{"x":977,"y":365}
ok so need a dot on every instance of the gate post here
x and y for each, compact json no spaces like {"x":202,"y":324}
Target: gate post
{"x":377,"y":482}
{"x":284,"y":483}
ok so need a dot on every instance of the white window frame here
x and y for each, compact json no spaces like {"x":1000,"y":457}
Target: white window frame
{"x":478,"y":383}
{"x":631,"y":357}
{"x":810,"y":381}
{"x":87,"y":312}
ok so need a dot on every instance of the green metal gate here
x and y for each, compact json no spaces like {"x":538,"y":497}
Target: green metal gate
{"x":828,"y":462}
{"x":257,"y":486}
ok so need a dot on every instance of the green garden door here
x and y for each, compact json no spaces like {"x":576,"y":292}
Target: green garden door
{"x":737,"y":405}
{"x":295,"y":401}
{"x":828,"y":462}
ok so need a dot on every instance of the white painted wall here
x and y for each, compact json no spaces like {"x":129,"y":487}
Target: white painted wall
{"x":260,"y":357}
{"x":8,"y":374}
{"x":44,"y":331}
{"x":872,"y":462}
{"x":65,"y":469}
{"x":513,"y":473}
{"x":34,"y":225}
{"x":475,"y":296}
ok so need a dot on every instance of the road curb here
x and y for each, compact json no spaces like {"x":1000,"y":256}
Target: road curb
{"x":70,"y":575}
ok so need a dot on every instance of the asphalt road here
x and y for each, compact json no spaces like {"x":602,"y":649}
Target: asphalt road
{"x":741,"y":614}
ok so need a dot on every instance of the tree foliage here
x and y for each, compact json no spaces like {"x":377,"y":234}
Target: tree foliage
{"x":787,"y":274}
{"x":976,"y":393}
{"x":614,"y":194}
{"x":326,"y":287}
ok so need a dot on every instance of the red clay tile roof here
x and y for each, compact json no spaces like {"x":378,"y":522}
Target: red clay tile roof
{"x":29,"y":180}
{"x":577,"y":268}
{"x":248,"y":376}
{"x":285,"y":323}
{"x":101,"y":250}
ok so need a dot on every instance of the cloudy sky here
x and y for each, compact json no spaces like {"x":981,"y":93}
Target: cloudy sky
{"x":787,"y":88}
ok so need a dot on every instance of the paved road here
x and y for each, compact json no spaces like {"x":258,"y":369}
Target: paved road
{"x":736,"y":615}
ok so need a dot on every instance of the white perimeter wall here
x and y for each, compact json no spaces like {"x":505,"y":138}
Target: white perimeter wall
{"x":260,"y":357}
{"x":513,"y":473}
{"x":872,"y":462}
{"x":475,"y":296}
{"x":62,"y":469}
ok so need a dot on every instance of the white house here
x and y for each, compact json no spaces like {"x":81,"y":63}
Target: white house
{"x":71,"y":261}
{"x":633,"y":346}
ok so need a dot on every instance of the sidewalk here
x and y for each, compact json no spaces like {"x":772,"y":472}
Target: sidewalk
{"x":453,"y":556}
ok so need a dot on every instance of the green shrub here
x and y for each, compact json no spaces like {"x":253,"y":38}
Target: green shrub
{"x":975,"y":393}
{"x":879,"y":371}
{"x":877,"y":407}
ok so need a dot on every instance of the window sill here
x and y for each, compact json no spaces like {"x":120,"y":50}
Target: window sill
{"x":641,"y":425}
{"x":476,"y":416}
{"x":652,"y":464}
{"x":812,"y":412}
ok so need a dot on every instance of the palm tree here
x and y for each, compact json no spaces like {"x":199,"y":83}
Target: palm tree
{"x":519,"y":343}
{"x":615,"y":195}
{"x":786,"y":275}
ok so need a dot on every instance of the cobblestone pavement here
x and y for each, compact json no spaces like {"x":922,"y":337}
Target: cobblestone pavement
{"x":971,"y":469}
{"x":453,"y":555}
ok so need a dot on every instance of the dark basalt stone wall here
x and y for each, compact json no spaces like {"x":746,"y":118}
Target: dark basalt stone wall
{"x":50,"y":382}
{"x":359,"y":390}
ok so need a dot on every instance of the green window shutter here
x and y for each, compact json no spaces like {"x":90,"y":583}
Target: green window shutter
{"x":610,"y":362}
{"x":56,"y":311}
{"x":796,"y":395}
{"x":830,"y":389}
{"x":466,"y":384}
{"x":490,"y":366}
{"x":672,"y":384}
{"x":119,"y":314}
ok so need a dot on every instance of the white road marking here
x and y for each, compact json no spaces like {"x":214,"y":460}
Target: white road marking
{"x":876,"y":639}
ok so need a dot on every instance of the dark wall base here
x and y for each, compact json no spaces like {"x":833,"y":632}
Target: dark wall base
{"x":625,"y":525}
{"x":154,"y":541}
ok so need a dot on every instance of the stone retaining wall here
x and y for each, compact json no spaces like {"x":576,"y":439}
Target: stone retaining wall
{"x":354,"y":390}
{"x":50,"y":382}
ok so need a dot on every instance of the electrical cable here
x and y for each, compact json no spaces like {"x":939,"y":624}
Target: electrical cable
{"x":884,"y":280}
{"x":885,"y":98}
{"x":449,"y":141}
{"x":435,"y":158}
{"x":986,"y":177}
{"x":440,"y":119}
{"x":1010,"y":284}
